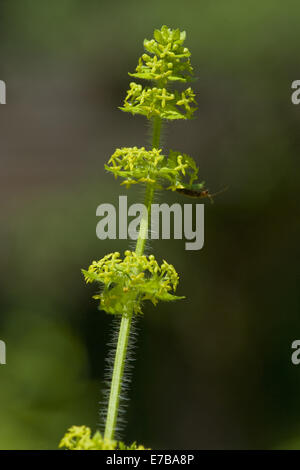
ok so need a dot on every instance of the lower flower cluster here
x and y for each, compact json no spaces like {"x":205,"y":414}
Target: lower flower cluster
{"x":80,"y":438}
{"x":127,"y":283}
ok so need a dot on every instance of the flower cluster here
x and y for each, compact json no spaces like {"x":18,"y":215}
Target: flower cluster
{"x":166,"y":57}
{"x":138,"y":165}
{"x":165,"y":60}
{"x":159,"y":102}
{"x":80,"y":438}
{"x":127,"y":283}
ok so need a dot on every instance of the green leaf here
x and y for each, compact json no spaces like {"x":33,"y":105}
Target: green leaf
{"x":157,"y":35}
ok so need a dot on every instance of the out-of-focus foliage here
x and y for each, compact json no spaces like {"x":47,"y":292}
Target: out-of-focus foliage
{"x":45,"y":381}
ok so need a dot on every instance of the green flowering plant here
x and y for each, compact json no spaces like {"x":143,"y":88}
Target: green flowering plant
{"x":126,"y":283}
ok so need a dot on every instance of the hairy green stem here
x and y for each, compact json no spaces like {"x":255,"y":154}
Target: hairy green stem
{"x":124,"y":332}
{"x":116,"y":382}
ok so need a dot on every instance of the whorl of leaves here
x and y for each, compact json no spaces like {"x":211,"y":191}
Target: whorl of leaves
{"x":129,"y":282}
{"x":138,"y":165}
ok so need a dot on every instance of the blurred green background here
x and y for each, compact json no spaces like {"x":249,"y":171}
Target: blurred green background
{"x":213,"y":371}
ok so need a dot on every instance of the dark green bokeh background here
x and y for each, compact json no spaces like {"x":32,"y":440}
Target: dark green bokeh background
{"x":213,"y":371}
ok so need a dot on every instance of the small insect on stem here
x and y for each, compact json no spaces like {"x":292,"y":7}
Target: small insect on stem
{"x":191,"y":192}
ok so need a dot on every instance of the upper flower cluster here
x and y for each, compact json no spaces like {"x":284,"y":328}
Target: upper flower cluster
{"x":128,"y":282}
{"x":166,"y":60}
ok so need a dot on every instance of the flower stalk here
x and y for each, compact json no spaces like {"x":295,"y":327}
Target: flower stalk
{"x":128,"y":282}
